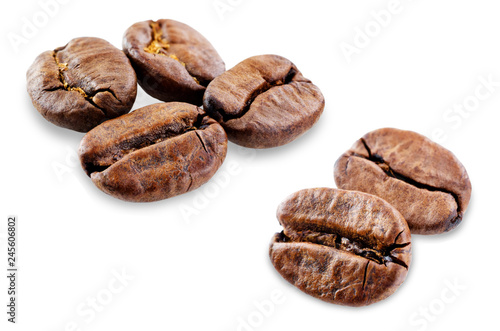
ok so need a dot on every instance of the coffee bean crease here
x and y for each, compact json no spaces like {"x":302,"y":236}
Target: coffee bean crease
{"x":337,"y":241}
{"x":147,"y":139}
{"x":63,"y":67}
{"x":386,"y":168}
{"x":161,"y":46}
{"x":421,"y":179}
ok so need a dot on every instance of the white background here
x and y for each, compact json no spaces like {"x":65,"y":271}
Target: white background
{"x":200,"y":261}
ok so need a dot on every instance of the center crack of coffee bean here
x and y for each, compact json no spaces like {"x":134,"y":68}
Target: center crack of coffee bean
{"x":287,"y":79}
{"x":63,"y":67}
{"x":89,"y":97}
{"x":386,"y":168}
{"x":345,"y":244}
{"x":130,"y":146}
{"x":158,"y":43}
{"x":160,"y":46}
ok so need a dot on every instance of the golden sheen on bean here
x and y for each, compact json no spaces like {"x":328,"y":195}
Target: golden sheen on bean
{"x":173,"y":61}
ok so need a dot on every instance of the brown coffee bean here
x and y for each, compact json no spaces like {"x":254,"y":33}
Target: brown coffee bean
{"x":153,"y":153}
{"x":343,"y":247}
{"x":422,"y":179}
{"x":173,"y":61}
{"x":82,"y":84}
{"x":264,"y":102}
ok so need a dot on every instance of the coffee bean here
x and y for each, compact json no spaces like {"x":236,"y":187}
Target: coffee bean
{"x":154,"y":153}
{"x":264,"y":102}
{"x":82,"y":84}
{"x":173,"y":61}
{"x":344,"y":247}
{"x":422,"y":179}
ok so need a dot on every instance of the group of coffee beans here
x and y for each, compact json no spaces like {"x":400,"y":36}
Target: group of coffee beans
{"x":352,"y":245}
{"x":349,"y":246}
{"x":166,"y":149}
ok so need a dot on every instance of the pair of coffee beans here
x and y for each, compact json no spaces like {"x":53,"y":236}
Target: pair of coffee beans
{"x":166,"y":149}
{"x":352,"y":245}
{"x":89,"y":81}
{"x":262,"y":102}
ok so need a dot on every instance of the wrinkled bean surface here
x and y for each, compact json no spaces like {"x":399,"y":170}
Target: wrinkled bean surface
{"x":82,"y":84}
{"x":343,"y":247}
{"x":423,"y":180}
{"x":173,"y":61}
{"x":263,"y":102}
{"x":154,"y":153}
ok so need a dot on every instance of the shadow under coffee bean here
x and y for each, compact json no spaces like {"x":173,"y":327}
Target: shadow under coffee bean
{"x":82,"y":84}
{"x":344,"y":247}
{"x":421,"y":179}
{"x":154,"y":153}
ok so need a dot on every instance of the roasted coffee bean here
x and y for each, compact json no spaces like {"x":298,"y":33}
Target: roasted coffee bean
{"x":154,"y":153}
{"x":422,"y":179}
{"x":173,"y":61}
{"x":82,"y":84}
{"x":264,"y":102}
{"x":343,"y":247}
